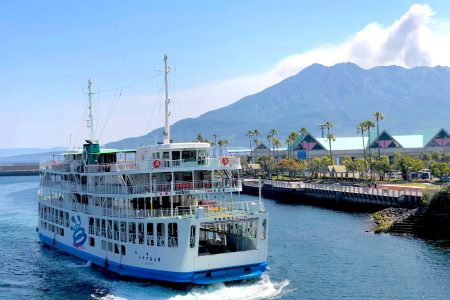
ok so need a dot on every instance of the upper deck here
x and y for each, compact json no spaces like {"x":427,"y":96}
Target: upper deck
{"x":154,"y":158}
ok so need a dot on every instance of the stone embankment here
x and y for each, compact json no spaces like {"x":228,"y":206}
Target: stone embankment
{"x":421,"y":222}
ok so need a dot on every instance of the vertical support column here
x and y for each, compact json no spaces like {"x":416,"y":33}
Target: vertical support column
{"x":171,"y":195}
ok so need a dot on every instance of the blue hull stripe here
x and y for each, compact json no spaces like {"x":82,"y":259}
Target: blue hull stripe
{"x":199,"y":277}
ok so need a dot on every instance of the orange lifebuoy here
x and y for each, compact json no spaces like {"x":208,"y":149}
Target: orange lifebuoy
{"x":225,"y":161}
{"x":156,"y":163}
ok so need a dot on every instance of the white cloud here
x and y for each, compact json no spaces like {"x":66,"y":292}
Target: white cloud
{"x":415,"y":39}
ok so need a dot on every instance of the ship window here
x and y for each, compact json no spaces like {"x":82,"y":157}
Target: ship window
{"x":116,"y":248}
{"x":141,"y":233}
{"x":97,"y":226}
{"x":61,"y":231}
{"x":103,"y":245}
{"x":188,"y":155}
{"x":91,"y":225}
{"x":160,"y":235}
{"x":123,"y":231}
{"x":103,"y":228}
{"x":116,"y":230}
{"x":110,"y":247}
{"x":173,"y":235}
{"x":165,"y":155}
{"x":67,"y":219}
{"x":109,"y":229}
{"x":123,"y":250}
{"x":150,"y":233}
{"x":192,"y":237}
{"x":155,"y":155}
{"x":176,"y":155}
{"x":92,"y":242}
{"x":264,"y":233}
{"x":132,"y":232}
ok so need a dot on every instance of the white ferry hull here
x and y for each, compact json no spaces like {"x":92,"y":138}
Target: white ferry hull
{"x":226,"y":274}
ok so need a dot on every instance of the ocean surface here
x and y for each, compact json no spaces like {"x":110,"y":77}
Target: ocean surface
{"x":315,"y":253}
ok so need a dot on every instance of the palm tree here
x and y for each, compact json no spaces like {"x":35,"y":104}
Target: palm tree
{"x":331,"y":138}
{"x":215,"y":144}
{"x":288,"y":142}
{"x":199,"y":138}
{"x":269,"y":138}
{"x":249,"y":135}
{"x":226,"y":143}
{"x":276,"y":143}
{"x":220,"y":143}
{"x":303,"y":131}
{"x":378,"y":117}
{"x":368,"y":125}
{"x":360,"y":129}
{"x":329,"y":125}
{"x":293,"y":136}
{"x":256,"y":134}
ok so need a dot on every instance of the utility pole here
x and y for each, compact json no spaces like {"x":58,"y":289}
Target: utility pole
{"x":166,"y":107}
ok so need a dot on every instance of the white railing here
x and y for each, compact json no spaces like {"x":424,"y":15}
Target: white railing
{"x":132,"y":189}
{"x":142,"y":165}
{"x":211,"y":208}
{"x":348,"y":189}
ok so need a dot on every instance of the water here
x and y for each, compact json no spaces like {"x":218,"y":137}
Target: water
{"x":314,"y":254}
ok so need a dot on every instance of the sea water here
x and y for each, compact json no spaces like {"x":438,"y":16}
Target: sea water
{"x":314,"y":253}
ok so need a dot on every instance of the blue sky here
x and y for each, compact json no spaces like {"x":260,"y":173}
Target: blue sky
{"x":50,"y":48}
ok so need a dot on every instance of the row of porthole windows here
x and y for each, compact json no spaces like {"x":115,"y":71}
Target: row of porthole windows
{"x":132,"y":232}
{"x":54,"y":215}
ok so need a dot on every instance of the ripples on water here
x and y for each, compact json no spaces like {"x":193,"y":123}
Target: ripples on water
{"x":313,"y":254}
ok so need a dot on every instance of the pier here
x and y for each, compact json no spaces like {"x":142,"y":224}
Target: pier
{"x":339,"y":196}
{"x":21,"y":169}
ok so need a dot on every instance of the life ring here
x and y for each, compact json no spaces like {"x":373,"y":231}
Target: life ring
{"x":156,"y":163}
{"x":225,"y":161}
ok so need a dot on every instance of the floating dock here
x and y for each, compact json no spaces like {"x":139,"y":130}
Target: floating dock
{"x":335,"y":195}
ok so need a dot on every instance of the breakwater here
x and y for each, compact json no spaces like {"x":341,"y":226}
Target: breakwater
{"x":335,"y":195}
{"x":20,"y":169}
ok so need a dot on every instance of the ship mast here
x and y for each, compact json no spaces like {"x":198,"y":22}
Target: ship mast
{"x":90,"y":123}
{"x":167,"y":101}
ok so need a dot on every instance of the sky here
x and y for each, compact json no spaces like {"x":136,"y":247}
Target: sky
{"x":219,"y":52}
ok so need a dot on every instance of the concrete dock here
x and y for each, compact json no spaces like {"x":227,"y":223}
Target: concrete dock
{"x":335,"y":195}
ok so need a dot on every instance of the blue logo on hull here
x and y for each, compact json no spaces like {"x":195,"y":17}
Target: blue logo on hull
{"x":79,"y":233}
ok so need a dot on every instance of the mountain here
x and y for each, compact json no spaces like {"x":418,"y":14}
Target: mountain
{"x":410,"y":99}
{"x":4,"y":152}
{"x":29,"y":158}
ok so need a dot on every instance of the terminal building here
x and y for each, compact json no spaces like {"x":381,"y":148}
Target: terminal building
{"x":426,"y":141}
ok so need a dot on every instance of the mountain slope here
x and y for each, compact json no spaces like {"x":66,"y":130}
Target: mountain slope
{"x":345,"y":94}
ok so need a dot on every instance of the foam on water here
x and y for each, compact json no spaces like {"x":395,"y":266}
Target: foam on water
{"x":262,"y":289}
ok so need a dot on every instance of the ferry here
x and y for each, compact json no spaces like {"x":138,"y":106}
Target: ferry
{"x":166,"y":212}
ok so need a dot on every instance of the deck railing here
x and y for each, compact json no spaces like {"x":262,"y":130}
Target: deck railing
{"x":211,"y":209}
{"x":143,"y":189}
{"x":141,"y":165}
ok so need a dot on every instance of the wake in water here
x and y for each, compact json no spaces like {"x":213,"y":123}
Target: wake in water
{"x":262,"y":289}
